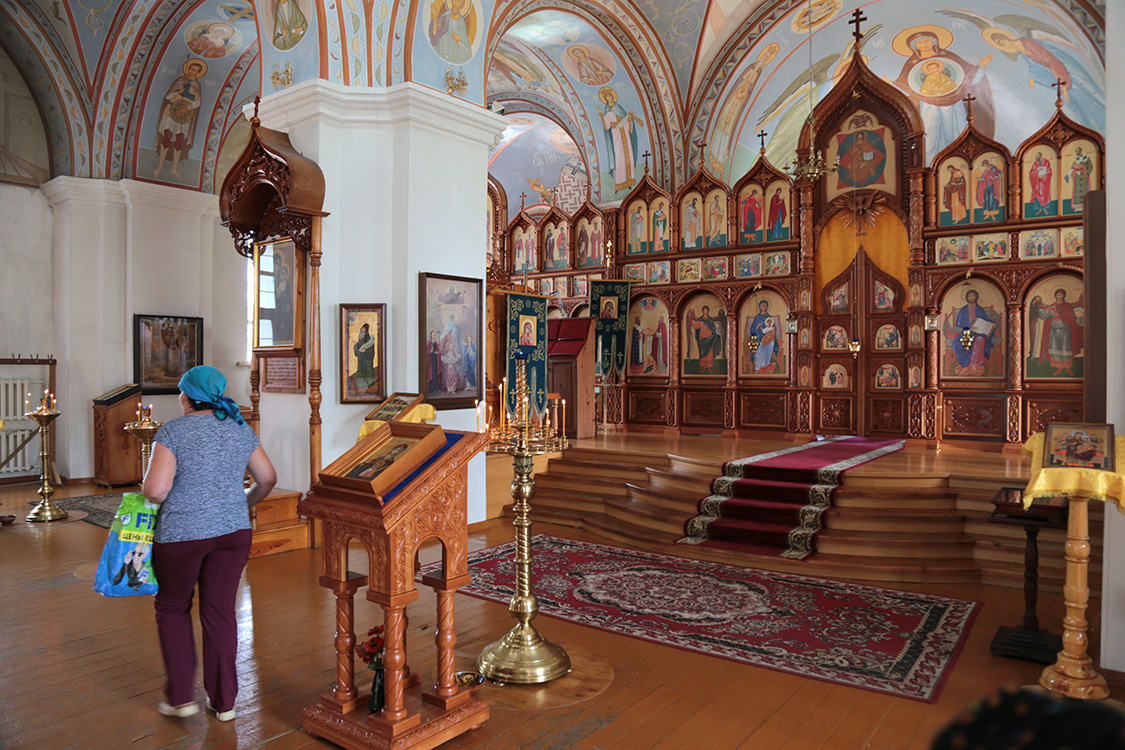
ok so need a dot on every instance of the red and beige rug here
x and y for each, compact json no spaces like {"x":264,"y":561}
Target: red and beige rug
{"x":866,"y":637}
{"x":772,"y":503}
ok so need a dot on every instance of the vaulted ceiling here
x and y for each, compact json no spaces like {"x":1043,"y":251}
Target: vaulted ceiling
{"x":91,"y":84}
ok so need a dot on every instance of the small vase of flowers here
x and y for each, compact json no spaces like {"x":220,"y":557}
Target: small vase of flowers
{"x":370,"y":652}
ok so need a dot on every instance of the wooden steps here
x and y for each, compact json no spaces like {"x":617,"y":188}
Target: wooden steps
{"x":276,"y":525}
{"x":890,"y":525}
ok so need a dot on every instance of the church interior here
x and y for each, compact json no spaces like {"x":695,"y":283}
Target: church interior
{"x":785,"y":297}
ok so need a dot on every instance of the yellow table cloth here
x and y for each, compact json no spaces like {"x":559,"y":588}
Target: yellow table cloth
{"x":421,"y":413}
{"x":1071,"y":482}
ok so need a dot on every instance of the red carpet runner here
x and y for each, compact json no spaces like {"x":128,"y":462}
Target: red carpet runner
{"x":772,"y":504}
{"x":894,"y":642}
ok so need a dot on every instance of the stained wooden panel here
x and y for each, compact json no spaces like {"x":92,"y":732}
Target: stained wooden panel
{"x":836,"y":414}
{"x":647,"y":406}
{"x":887,"y":415}
{"x":1043,"y":411}
{"x":762,"y":410}
{"x":703,"y":408}
{"x":974,"y":417}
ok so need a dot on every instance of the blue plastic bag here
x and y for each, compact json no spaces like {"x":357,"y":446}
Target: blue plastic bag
{"x":126,"y":565}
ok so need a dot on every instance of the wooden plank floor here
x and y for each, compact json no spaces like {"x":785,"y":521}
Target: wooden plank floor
{"x":82,"y":671}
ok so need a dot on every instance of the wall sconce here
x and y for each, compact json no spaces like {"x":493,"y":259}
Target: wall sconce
{"x":854,"y":346}
{"x":753,"y":342}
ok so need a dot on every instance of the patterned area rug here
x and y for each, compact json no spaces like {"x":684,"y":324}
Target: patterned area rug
{"x":102,"y":508}
{"x":772,"y":503}
{"x":862,"y":636}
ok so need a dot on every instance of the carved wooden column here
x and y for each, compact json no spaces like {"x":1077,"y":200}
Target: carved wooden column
{"x":344,"y":696}
{"x":272,"y":191}
{"x":315,"y":377}
{"x":807,"y":264}
{"x":446,"y":694}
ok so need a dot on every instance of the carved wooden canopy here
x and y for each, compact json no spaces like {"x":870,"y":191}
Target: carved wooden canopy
{"x":271,"y":191}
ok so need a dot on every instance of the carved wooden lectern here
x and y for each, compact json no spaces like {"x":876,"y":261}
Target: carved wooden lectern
{"x":431,"y":503}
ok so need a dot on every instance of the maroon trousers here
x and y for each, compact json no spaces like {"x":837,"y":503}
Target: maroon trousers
{"x":216,"y":565}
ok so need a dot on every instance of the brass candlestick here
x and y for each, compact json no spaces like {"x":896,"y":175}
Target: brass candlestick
{"x":144,"y":429}
{"x":45,"y":510}
{"x":523,"y":656}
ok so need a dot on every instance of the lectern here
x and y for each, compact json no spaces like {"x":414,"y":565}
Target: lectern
{"x":429,"y":503}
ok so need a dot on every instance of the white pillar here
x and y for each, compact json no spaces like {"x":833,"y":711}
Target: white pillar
{"x":405,"y":171}
{"x":121,"y":248}
{"x":1113,"y":548}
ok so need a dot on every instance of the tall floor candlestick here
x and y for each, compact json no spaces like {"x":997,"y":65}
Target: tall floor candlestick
{"x":523,"y":656}
{"x":45,"y":510}
{"x":144,"y":429}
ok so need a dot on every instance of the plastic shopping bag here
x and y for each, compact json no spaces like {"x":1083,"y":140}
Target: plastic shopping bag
{"x":126,"y":565}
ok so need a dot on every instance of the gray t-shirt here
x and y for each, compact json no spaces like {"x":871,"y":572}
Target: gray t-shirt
{"x":207,"y":498}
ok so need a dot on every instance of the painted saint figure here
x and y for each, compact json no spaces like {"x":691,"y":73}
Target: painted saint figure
{"x":1040,"y":178}
{"x":777,"y":216}
{"x":990,"y":189}
{"x":179,"y":115}
{"x":449,"y":30}
{"x":693,"y":224}
{"x":939,"y":92}
{"x":751,"y":216}
{"x":659,"y":229}
{"x":716,"y":223}
{"x":636,"y":346}
{"x":212,"y":42}
{"x":1080,"y":170}
{"x":433,"y":364}
{"x":620,"y":137}
{"x":1060,"y":337}
{"x":660,"y":346}
{"x":364,"y":351}
{"x":289,"y":24}
{"x":708,"y":339}
{"x":982,"y":324}
{"x":764,"y":326}
{"x":590,"y":71}
{"x":470,"y":361}
{"x":636,"y":230}
{"x":953,"y":196}
{"x":452,"y":354}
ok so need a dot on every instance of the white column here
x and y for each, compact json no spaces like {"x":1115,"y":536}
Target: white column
{"x":1113,"y":548}
{"x":405,"y":171}
{"x":125,"y":248}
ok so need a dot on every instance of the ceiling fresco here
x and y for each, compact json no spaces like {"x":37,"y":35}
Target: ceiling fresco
{"x":153,"y":89}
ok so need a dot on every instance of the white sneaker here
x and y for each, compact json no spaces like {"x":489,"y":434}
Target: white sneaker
{"x":189,"y":709}
{"x":221,"y":715}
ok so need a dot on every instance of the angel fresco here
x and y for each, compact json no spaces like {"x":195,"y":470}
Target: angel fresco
{"x":730,"y":116}
{"x":792,"y":106}
{"x":941,"y":105}
{"x":1057,"y":336}
{"x":1049,"y":57}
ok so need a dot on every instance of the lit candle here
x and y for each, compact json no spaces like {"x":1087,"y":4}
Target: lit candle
{"x":562,"y":425}
{"x":476,"y":412}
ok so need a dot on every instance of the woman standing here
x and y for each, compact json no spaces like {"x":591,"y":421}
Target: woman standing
{"x":203,"y":536}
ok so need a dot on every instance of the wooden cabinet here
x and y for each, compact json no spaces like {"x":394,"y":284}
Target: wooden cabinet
{"x":117,"y":454}
{"x":571,"y":374}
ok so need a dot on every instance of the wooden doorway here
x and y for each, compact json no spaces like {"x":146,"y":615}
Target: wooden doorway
{"x":862,"y":392}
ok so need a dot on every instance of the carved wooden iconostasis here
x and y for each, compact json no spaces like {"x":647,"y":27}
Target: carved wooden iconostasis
{"x":891,"y":297}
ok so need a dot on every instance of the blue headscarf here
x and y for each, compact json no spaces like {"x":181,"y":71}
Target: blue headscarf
{"x":205,"y":385}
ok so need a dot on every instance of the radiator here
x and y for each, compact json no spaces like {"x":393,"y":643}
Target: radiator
{"x":26,"y":461}
{"x":13,"y":394}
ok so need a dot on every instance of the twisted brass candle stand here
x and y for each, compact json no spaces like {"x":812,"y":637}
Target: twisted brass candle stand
{"x":45,"y":510}
{"x":523,"y":656}
{"x":144,"y":429}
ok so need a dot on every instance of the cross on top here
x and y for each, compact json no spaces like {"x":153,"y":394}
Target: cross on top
{"x":969,"y":99}
{"x":762,"y":137}
{"x":645,"y":156}
{"x":255,"y":120}
{"x":1058,"y":86}
{"x":522,"y":197}
{"x":857,"y":19}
